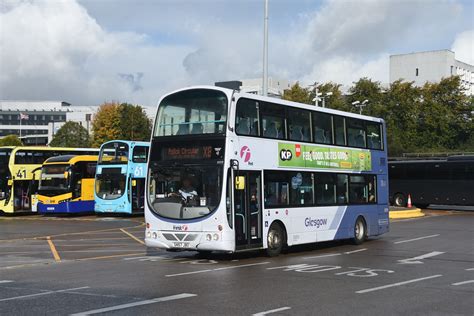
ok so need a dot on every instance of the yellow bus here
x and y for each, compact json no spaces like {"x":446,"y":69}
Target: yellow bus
{"x":19,"y":174}
{"x":67,"y":185}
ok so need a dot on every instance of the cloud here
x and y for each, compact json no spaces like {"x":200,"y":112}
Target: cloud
{"x":87,"y":52}
{"x":463,"y":47}
{"x":56,"y":50}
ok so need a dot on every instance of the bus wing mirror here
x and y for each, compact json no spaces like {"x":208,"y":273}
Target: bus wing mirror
{"x":234,"y":164}
{"x":240,"y":183}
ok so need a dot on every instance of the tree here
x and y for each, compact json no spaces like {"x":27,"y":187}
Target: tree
{"x":120,"y":121}
{"x":10,"y":140}
{"x":71,"y":134}
{"x":334,"y":101}
{"x":296,"y":93}
{"x":106,"y":124}
{"x":134,"y":124}
{"x":366,"y":89}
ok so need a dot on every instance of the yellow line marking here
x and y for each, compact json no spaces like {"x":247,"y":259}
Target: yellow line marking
{"x":111,"y":256}
{"x":131,"y":236}
{"x":109,"y":230}
{"x":53,"y":249}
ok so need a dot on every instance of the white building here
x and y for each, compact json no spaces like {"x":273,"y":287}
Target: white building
{"x":35,"y":122}
{"x":431,"y":66}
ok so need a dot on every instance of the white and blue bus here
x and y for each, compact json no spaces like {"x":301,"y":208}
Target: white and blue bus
{"x":120,"y":177}
{"x":231,"y":171}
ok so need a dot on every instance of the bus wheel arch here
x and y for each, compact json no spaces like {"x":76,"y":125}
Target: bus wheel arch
{"x":360,"y":230}
{"x":276,"y":238}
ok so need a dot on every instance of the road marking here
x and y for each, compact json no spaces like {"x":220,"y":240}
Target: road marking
{"x":415,"y":239}
{"x":217,"y":269}
{"x":416,"y":260}
{"x":140,"y":303}
{"x":241,"y":266}
{"x":43,"y":293}
{"x":186,"y":273}
{"x":53,"y":249}
{"x":108,"y":257}
{"x":131,"y":236}
{"x":5,"y":281}
{"x":470,"y":269}
{"x":276,"y":310}
{"x":463,"y":282}
{"x":354,"y":251}
{"x":397,"y":284}
{"x":322,"y":256}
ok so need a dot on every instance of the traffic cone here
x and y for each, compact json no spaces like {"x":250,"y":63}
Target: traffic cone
{"x":409,"y":201}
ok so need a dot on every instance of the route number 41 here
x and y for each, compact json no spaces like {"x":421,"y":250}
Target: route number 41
{"x":21,"y":174}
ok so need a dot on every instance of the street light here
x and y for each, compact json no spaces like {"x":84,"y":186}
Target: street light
{"x":324,"y":98}
{"x":360,"y":105}
{"x":320,"y":97}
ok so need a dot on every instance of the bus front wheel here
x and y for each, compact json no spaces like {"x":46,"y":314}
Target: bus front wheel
{"x":399,"y":200}
{"x":275,"y":240}
{"x":360,"y":231}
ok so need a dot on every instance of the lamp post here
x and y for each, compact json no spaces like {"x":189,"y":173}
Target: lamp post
{"x":320,"y":97}
{"x":265,"y":51}
{"x":324,"y":98}
{"x":360,"y":105}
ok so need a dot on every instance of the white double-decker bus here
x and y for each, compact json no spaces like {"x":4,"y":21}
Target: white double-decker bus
{"x":231,"y":171}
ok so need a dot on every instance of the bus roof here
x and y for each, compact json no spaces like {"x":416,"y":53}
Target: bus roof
{"x":135,"y":142}
{"x":45,"y":148}
{"x":230,"y":92}
{"x":405,"y":160}
{"x":70,"y":159}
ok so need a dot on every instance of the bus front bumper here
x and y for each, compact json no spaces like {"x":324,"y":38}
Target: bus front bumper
{"x":70,"y":207}
{"x":193,"y":241}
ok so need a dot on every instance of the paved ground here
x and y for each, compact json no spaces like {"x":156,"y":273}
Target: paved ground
{"x":90,"y":265}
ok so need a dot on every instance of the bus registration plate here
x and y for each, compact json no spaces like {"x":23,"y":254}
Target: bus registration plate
{"x":181,"y":244}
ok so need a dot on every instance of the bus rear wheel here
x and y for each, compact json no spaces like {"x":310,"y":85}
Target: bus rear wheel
{"x":275,"y":240}
{"x":399,"y":200}
{"x":360,"y":231}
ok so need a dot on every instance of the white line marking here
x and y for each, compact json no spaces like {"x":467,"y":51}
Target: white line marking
{"x":241,"y":266}
{"x":146,"y":302}
{"x":416,"y":260}
{"x":272,"y":311}
{"x":397,"y":284}
{"x":354,"y":251}
{"x":415,"y":239}
{"x":322,"y":256}
{"x":470,"y":269}
{"x":218,"y":269}
{"x":463,"y":282}
{"x":186,"y":273}
{"x":5,"y":281}
{"x":43,"y":293}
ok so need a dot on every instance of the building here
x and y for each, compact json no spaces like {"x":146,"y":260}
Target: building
{"x":431,"y":66}
{"x":36,"y":122}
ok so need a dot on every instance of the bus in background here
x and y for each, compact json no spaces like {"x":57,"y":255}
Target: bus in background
{"x":231,"y":171}
{"x":19,"y":174}
{"x":430,"y":180}
{"x":67,"y":185}
{"x":120,"y":178}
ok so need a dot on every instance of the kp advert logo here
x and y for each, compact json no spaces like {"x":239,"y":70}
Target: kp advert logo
{"x":245,"y":153}
{"x":180,"y":227}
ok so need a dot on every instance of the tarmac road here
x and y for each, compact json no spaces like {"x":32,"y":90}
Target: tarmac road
{"x":95,"y":265}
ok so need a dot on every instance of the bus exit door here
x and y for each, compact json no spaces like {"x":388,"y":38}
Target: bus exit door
{"x":248,"y":210}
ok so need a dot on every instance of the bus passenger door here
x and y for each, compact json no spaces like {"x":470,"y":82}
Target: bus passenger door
{"x":248,"y":209}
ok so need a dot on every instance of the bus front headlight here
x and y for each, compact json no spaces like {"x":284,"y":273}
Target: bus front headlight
{"x":208,"y":237}
{"x":216,"y":237}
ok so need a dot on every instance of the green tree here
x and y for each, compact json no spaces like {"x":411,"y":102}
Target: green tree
{"x":10,"y":140}
{"x":334,"y":101}
{"x":134,"y":124}
{"x":296,"y":93}
{"x":71,"y":134}
{"x":366,"y":89}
